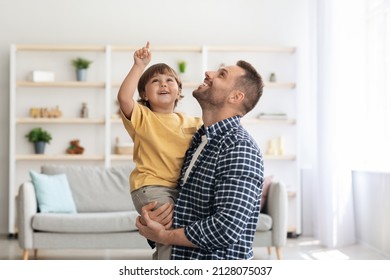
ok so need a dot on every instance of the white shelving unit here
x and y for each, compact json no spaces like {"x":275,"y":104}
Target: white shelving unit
{"x":98,"y":133}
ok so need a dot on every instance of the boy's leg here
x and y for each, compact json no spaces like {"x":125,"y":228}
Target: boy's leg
{"x":162,"y":195}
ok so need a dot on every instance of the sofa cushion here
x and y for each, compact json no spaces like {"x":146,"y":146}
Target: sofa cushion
{"x":53,"y":193}
{"x":264,"y":223}
{"x":85,"y":222}
{"x":97,"y":189}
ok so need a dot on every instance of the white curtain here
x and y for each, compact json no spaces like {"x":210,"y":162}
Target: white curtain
{"x":340,"y":97}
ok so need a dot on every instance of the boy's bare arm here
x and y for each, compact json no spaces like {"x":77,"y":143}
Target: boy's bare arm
{"x":142,"y":57}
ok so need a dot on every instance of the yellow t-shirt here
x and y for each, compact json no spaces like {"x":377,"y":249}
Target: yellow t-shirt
{"x":160,"y":142}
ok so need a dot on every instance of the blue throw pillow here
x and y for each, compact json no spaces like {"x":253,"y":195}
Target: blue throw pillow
{"x":53,"y":193}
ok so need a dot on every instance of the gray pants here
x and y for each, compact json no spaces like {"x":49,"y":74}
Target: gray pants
{"x":162,"y":195}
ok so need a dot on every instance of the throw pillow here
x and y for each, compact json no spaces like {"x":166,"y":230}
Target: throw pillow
{"x":53,"y":193}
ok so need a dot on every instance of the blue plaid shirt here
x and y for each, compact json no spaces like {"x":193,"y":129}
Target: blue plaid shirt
{"x":219,"y":204}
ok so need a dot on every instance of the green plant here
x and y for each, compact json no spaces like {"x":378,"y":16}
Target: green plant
{"x":182,"y":66}
{"x":81,"y":63}
{"x":38,"y":134}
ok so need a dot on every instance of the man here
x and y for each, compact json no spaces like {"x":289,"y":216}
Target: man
{"x":218,"y":206}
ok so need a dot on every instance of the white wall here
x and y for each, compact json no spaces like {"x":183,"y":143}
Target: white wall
{"x":209,"y":22}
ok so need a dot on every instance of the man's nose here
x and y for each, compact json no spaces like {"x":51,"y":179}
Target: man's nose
{"x":209,"y":74}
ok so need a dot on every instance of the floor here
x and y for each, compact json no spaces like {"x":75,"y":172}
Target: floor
{"x":301,"y":248}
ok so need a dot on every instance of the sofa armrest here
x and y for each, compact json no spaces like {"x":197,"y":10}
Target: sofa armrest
{"x":27,"y":208}
{"x":277,"y":201}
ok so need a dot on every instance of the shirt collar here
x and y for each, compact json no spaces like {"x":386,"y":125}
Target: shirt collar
{"x":221,"y":127}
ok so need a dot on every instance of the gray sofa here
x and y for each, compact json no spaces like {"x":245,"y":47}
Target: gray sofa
{"x":105,"y":217}
{"x":272,"y":225}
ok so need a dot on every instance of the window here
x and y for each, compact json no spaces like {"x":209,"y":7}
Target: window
{"x":377,"y":132}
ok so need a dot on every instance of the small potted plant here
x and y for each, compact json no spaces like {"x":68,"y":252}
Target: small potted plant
{"x":39,"y":137}
{"x":182,"y":66}
{"x":81,"y":65}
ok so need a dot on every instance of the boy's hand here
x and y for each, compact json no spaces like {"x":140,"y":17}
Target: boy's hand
{"x":143,"y":56}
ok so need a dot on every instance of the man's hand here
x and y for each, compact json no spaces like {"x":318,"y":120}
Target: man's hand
{"x":151,"y":230}
{"x":162,"y":215}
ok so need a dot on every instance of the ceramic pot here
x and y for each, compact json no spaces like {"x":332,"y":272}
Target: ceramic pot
{"x":39,"y":147}
{"x":81,"y":75}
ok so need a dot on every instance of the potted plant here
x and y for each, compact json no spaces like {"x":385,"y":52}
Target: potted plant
{"x":182,"y":69}
{"x":81,"y":65}
{"x":182,"y":66}
{"x":39,"y":137}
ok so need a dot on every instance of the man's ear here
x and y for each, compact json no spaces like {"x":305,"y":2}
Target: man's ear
{"x":236,"y":96}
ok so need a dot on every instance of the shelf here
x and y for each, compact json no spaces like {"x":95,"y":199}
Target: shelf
{"x":59,"y":121}
{"x":209,"y":48}
{"x":104,"y":90}
{"x":116,"y":120}
{"x":281,"y":157}
{"x":251,"y":49}
{"x":64,"y":157}
{"x":50,"y":48}
{"x":121,"y":157}
{"x":159,"y":48}
{"x":292,"y":230}
{"x":73,"y":84}
{"x":291,"y":194}
{"x":268,"y":121}
{"x":277,"y":85}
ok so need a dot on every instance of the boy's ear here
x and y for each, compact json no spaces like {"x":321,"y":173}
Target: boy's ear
{"x":236,"y":96}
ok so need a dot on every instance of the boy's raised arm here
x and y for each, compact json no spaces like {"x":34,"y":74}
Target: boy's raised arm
{"x":142,"y":57}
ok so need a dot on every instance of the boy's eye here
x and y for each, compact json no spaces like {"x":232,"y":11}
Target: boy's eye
{"x":170,"y":80}
{"x":154,"y":80}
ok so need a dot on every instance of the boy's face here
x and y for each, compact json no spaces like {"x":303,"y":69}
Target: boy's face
{"x":162,"y":91}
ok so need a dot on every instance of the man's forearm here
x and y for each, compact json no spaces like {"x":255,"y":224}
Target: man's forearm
{"x":176,"y":237}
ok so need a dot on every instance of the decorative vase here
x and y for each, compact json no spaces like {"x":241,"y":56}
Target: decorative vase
{"x":39,"y":147}
{"x":272,"y":77}
{"x":81,"y":75}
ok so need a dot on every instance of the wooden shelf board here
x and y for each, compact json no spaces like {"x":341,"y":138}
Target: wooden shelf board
{"x":64,"y":157}
{"x":50,"y":48}
{"x":250,"y":49}
{"x":291,"y":229}
{"x":61,"y":84}
{"x":159,"y":48}
{"x":121,"y":157}
{"x":277,"y":85}
{"x":291,"y":194}
{"x":118,"y":48}
{"x":268,"y":121}
{"x":281,"y":157}
{"x":59,"y":120}
{"x":116,"y":120}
